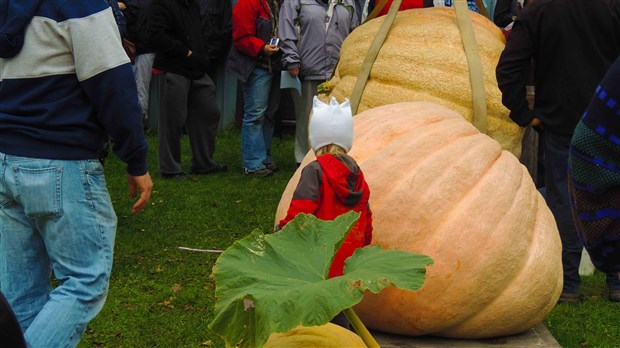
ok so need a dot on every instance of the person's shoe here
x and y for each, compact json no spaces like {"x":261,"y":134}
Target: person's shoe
{"x":219,"y":167}
{"x":568,"y":297}
{"x":614,"y":295}
{"x":262,"y":172}
{"x":272,"y":166}
{"x":175,"y":176}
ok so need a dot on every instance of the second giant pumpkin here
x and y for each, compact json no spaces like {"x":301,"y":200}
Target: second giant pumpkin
{"x":441,"y":188}
{"x":423,"y":59}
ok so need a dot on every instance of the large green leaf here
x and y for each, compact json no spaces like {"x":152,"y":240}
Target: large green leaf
{"x":274,"y":283}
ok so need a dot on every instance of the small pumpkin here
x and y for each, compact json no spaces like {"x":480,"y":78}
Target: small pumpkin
{"x":441,"y":188}
{"x":423,"y":59}
{"x":323,"y":336}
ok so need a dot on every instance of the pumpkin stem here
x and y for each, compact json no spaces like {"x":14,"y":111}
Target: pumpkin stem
{"x":359,"y":327}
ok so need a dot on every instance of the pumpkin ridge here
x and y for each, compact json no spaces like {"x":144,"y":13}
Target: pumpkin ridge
{"x":507,"y":279}
{"x":439,"y":229}
{"x":539,"y":308}
{"x":397,"y":137}
{"x":447,"y":147}
{"x":373,"y":101}
{"x":404,"y":141}
{"x":443,"y":235}
{"x":415,"y":88}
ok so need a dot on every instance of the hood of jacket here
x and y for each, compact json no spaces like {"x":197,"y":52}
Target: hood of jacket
{"x":14,"y":18}
{"x":344,"y":177}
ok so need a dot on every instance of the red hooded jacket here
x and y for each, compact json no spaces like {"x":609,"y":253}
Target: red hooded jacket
{"x":405,"y":5}
{"x":247,"y":14}
{"x":329,"y":187}
{"x":254,"y":23}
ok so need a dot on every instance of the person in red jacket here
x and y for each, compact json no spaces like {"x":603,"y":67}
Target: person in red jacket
{"x":254,"y":60}
{"x":413,"y":4}
{"x":404,"y":5}
{"x":333,"y":184}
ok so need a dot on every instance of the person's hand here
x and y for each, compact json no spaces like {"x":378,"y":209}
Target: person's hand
{"x":189,"y":53}
{"x":121,"y":5}
{"x":535,"y":122}
{"x":293,"y":72}
{"x":268,"y":50}
{"x":144,"y":184}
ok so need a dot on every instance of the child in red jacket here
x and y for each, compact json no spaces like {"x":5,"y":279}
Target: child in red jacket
{"x":333,"y":184}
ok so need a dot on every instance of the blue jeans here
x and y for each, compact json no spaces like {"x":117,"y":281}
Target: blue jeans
{"x":260,"y":105}
{"x":56,"y":217}
{"x":558,"y":199}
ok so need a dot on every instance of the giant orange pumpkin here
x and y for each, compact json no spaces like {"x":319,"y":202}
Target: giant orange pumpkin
{"x":423,"y":59}
{"x":441,"y":188}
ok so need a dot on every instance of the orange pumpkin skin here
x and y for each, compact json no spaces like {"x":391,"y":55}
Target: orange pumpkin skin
{"x":441,"y":188}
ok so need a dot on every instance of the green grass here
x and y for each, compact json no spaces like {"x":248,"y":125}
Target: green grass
{"x":161,"y":296}
{"x":594,"y":322}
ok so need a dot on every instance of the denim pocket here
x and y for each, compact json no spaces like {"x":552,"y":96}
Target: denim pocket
{"x":39,"y":191}
{"x":93,"y":167}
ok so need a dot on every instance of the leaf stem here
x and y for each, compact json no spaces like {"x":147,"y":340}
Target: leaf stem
{"x":359,"y":327}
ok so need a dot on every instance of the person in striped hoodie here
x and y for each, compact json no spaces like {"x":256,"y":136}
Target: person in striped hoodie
{"x":66,"y":87}
{"x":594,"y":176}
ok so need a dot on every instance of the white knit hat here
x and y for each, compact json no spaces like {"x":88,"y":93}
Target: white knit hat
{"x":331,"y":124}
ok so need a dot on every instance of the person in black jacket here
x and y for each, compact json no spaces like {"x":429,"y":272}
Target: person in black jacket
{"x":505,"y":12}
{"x":216,"y":16}
{"x":188,"y":94}
{"x":572,"y":44}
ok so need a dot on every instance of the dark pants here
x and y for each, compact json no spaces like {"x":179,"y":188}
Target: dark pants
{"x":10,"y":332}
{"x":558,"y":200}
{"x":189,"y":104}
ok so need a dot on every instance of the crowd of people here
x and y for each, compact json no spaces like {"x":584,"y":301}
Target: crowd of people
{"x":62,"y":100}
{"x":254,"y":60}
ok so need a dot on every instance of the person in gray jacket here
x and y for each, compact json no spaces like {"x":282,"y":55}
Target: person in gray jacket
{"x":311,"y":33}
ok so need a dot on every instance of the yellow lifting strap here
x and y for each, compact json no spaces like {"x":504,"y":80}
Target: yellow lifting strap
{"x":373,"y":51}
{"x":476,"y":76}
